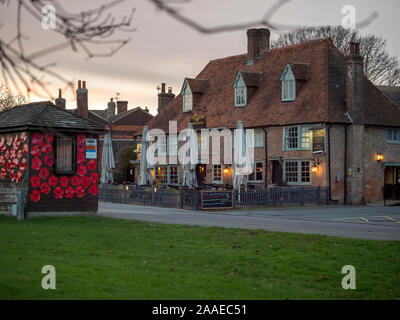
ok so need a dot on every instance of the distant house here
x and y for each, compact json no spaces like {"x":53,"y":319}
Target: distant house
{"x":125,"y":125}
{"x":53,"y":155}
{"x":317,"y":120}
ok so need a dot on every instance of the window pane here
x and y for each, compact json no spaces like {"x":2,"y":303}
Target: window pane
{"x":258,"y":138}
{"x":240,"y":95}
{"x":259,"y":171}
{"x":305,"y":171}
{"x":390,"y":134}
{"x":291,"y":138}
{"x":306,"y":138}
{"x":173,"y":175}
{"x":64,"y":154}
{"x":291,"y":171}
{"x":187,"y":102}
{"x":217,"y":173}
{"x":161,"y":175}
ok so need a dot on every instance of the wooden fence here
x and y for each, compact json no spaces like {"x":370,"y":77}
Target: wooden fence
{"x":190,"y":198}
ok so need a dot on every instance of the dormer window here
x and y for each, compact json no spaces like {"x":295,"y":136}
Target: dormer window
{"x":187,"y":97}
{"x":240,"y":91}
{"x":288,"y":84}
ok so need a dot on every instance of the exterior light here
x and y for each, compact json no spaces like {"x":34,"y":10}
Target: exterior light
{"x":314,"y":168}
{"x":379,"y":157}
{"x":226,"y":170}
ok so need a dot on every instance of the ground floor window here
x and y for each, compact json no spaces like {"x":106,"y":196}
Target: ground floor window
{"x":167,"y":174}
{"x":217,"y":173}
{"x":257,"y":175}
{"x":297,"y":171}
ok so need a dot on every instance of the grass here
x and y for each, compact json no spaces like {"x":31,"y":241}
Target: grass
{"x":102,"y":258}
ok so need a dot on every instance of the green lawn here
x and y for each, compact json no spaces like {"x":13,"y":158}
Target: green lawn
{"x":100,"y":258}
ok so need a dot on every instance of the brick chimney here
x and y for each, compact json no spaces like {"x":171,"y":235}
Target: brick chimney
{"x":60,"y":101}
{"x":111,"y":109}
{"x":257,"y":43}
{"x":82,"y":99}
{"x":122,"y":106}
{"x":164,"y":98}
{"x":354,"y":84}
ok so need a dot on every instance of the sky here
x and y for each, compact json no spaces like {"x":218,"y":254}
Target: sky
{"x":162,"y":49}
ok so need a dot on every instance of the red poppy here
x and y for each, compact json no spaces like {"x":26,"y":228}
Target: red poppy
{"x":9,"y":165}
{"x":82,"y":171}
{"x":25,"y":148}
{"x":85,"y":181}
{"x":69,"y":192}
{"x":2,"y":144}
{"x":48,"y":160}
{"x":80,"y":158}
{"x":58,"y":193}
{"x":80,"y":192}
{"x":23,"y":137}
{"x":9,"y":140}
{"x":12,"y":175}
{"x":35,"y":181}
{"x":2,"y":160}
{"x":17,"y":141}
{"x":13,"y":153}
{"x":19,"y":154}
{"x":92,"y":164}
{"x":81,"y":148}
{"x":94,"y":177}
{"x":22,"y":165}
{"x":36,"y":163}
{"x":93,"y":189}
{"x":37,"y":138}
{"x":7,"y":154}
{"x":49,"y":137}
{"x":81,"y":138}
{"x":47,"y":148}
{"x":75,"y":180}
{"x":64,"y":181}
{"x":43,"y":173}
{"x":19,"y":177}
{"x":53,"y":180}
{"x":3,"y":173}
{"x":44,"y":188}
{"x":15,"y":162}
{"x":35,"y":151}
{"x":35,"y":195}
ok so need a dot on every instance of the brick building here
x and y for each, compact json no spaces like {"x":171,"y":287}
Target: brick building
{"x":125,"y":125}
{"x":317,"y":119}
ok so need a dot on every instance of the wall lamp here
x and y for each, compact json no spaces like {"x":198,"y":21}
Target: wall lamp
{"x":379,"y":157}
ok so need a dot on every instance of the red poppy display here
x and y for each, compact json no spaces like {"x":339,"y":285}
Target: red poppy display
{"x":49,"y":137}
{"x":35,"y":195}
{"x":22,"y":165}
{"x":93,"y":189}
{"x":81,"y":171}
{"x":44,"y":188}
{"x":47,"y":148}
{"x":48,"y":160}
{"x":85,"y":181}
{"x":69,"y":192}
{"x":35,"y":151}
{"x":92,"y":165}
{"x":64,"y":181}
{"x":2,"y":160}
{"x":80,"y":148}
{"x":13,"y":153}
{"x":53,"y":180}
{"x":15,"y":163}
{"x":37,"y":138}
{"x":18,"y":177}
{"x":35,"y":181}
{"x":80,"y":138}
{"x":9,"y":165}
{"x":3,"y":173}
{"x":94,"y":177}
{"x":58,"y":193}
{"x":19,"y":153}
{"x":36,"y":163}
{"x":43,"y":173}
{"x":80,"y":192}
{"x":17,"y":141}
{"x":80,"y":158}
{"x":7,"y":154}
{"x":25,"y":148}
{"x":75,"y":180}
{"x":12,"y":175}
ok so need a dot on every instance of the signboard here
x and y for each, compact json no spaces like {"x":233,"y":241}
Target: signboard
{"x":214,"y":199}
{"x":198,"y":122}
{"x":91,"y":148}
{"x":318,"y":140}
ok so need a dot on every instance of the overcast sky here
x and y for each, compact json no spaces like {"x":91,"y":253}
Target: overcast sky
{"x":164,"y":50}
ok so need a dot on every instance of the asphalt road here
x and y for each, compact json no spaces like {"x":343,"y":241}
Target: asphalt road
{"x":364,"y":222}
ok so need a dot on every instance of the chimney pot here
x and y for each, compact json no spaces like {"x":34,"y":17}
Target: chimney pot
{"x":257,"y":43}
{"x":84,"y":84}
{"x":162,"y":87}
{"x":82,"y":100}
{"x":60,"y":102}
{"x":59,"y":93}
{"x":79,"y":84}
{"x":169,"y":89}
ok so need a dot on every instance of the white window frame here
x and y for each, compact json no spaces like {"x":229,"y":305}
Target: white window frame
{"x":390,"y":138}
{"x":168,"y":174}
{"x":186,"y":93}
{"x":255,"y":172}
{"x":259,"y":143}
{"x":300,"y":130}
{"x":299,"y":172}
{"x":238,"y":86}
{"x":288,"y":84}
{"x":222,"y":174}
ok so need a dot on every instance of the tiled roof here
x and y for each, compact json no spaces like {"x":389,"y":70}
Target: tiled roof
{"x":319,"y":99}
{"x":251,"y":79}
{"x":44,"y":114}
{"x":393,"y":92}
{"x":197,"y":85}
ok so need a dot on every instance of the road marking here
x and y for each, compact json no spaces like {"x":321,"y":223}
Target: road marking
{"x":363,"y":219}
{"x":390,"y":218}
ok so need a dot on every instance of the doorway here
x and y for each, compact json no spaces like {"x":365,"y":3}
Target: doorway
{"x":277,"y":172}
{"x":201,"y":174}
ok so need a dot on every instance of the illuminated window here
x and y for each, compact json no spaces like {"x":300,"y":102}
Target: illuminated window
{"x":167,"y":174}
{"x":217,"y":173}
{"x":257,"y":175}
{"x":298,"y":138}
